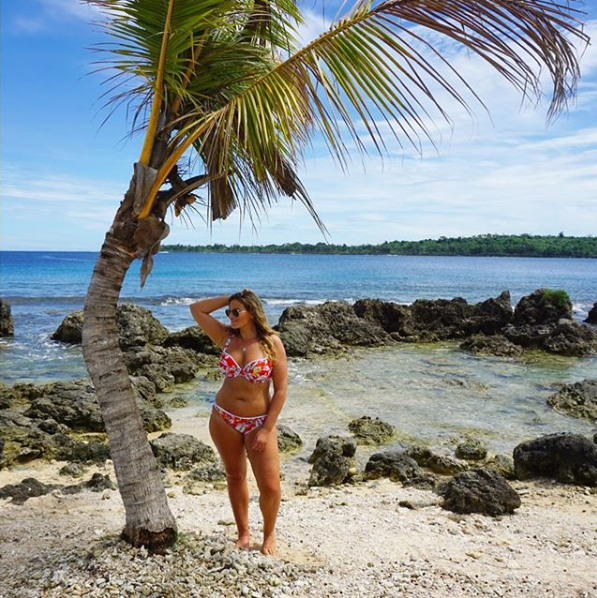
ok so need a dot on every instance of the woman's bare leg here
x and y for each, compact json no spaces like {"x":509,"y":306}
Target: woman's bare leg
{"x":266,"y":467}
{"x":230,"y":445}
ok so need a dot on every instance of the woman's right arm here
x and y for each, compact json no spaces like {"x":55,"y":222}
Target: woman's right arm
{"x":201,"y":311}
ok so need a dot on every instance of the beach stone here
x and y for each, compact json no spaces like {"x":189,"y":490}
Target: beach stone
{"x":164,"y":367}
{"x":333,"y":461}
{"x":496,"y":344}
{"x":471,"y":450}
{"x":7,"y":325}
{"x":94,"y":451}
{"x":308,"y":330}
{"x":74,"y":470}
{"x":392,"y":464}
{"x":370,"y":431}
{"x":24,"y":490}
{"x":194,"y":482}
{"x":288,"y":440}
{"x":181,"y":451}
{"x":480,"y":491}
{"x":70,"y":330}
{"x":97,"y":483}
{"x":577,"y":400}
{"x":192,"y":338}
{"x":441,"y":464}
{"x":592,"y":316}
{"x":75,"y":405}
{"x":567,"y":458}
{"x":136,"y":326}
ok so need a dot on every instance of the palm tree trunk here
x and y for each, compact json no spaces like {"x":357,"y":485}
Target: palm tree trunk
{"x":149,"y":521}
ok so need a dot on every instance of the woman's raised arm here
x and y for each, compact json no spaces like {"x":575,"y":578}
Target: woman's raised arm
{"x":201,"y":311}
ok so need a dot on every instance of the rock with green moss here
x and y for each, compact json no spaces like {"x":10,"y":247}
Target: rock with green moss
{"x":373,"y":432}
{"x":577,"y":400}
{"x":288,"y":440}
{"x":471,"y":449}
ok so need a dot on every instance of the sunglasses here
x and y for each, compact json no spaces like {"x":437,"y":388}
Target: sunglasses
{"x":235,"y":312}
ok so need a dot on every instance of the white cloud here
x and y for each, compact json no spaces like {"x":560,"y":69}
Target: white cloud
{"x":50,"y":14}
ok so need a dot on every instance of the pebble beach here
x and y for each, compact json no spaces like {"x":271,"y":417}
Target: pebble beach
{"x":373,"y":539}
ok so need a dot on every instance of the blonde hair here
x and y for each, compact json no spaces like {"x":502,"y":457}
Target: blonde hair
{"x":264,"y":331}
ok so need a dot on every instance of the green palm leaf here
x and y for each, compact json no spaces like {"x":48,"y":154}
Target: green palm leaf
{"x":249,"y":115}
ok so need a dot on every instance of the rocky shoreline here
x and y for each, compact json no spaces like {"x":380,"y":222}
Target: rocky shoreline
{"x":60,"y":424}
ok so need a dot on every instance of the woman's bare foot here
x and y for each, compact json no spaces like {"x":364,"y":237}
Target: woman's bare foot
{"x":243,"y":542}
{"x":269,"y":545}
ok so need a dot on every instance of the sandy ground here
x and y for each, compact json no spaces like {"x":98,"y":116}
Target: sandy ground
{"x":357,"y":540}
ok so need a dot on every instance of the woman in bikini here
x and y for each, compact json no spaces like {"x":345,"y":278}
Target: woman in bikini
{"x":243,"y":418}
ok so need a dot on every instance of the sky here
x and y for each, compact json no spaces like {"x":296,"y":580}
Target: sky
{"x":503,"y":171}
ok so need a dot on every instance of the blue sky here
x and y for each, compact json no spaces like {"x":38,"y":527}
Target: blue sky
{"x":63,"y":175}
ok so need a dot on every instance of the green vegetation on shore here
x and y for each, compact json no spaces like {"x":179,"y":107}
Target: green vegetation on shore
{"x":489,"y":245}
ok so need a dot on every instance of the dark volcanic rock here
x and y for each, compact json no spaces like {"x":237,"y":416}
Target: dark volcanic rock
{"x":471,"y":450}
{"x":567,"y":458}
{"x":74,"y":404}
{"x":392,"y":317}
{"x":70,"y":329}
{"x":164,"y":367}
{"x":577,"y":400}
{"x":496,"y":344}
{"x":136,"y":326}
{"x":592,"y":317}
{"x":437,"y":319}
{"x":24,"y":490}
{"x":542,"y":307}
{"x":181,"y":451}
{"x":7,"y":326}
{"x":309,"y":330}
{"x":333,"y":461}
{"x":192,"y":338}
{"x":70,"y":403}
{"x":30,"y":487}
{"x":371,"y":431}
{"x":288,"y":440}
{"x":571,"y":339}
{"x":441,"y":464}
{"x":480,"y":491}
{"x":392,"y":464}
{"x":543,"y":320}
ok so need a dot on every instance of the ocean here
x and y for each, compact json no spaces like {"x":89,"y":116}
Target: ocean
{"x":432,"y":392}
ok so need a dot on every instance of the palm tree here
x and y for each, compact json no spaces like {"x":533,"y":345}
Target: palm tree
{"x":224,"y":85}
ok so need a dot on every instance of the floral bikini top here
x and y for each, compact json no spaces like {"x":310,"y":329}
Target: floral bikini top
{"x":257,"y":371}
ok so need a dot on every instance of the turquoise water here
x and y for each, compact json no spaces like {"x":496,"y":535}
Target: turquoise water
{"x":432,"y":393}
{"x":43,"y":287}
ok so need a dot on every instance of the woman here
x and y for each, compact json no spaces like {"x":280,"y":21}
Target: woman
{"x":243,"y":418}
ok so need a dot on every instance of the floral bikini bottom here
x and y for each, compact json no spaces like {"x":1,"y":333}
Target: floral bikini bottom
{"x":244,"y":425}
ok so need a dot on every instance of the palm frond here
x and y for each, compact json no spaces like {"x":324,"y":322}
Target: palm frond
{"x":372,"y":62}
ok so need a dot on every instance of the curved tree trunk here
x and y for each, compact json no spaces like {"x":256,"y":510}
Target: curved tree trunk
{"x":149,"y":521}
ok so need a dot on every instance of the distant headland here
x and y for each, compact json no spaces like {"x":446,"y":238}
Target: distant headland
{"x":479,"y":245}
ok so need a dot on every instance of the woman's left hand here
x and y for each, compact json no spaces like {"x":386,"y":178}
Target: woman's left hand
{"x":261,"y":439}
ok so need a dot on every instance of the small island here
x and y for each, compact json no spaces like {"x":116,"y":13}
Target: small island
{"x":480,"y":245}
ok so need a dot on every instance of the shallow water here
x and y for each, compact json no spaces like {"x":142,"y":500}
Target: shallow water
{"x":433,"y":394}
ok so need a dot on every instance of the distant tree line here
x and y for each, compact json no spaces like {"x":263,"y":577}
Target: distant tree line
{"x":482,"y":245}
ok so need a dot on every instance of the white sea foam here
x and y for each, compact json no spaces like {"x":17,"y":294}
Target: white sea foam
{"x":295,"y":301}
{"x":581,"y":310}
{"x":178,"y":301}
